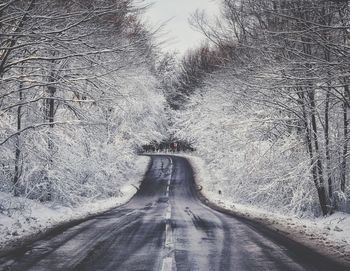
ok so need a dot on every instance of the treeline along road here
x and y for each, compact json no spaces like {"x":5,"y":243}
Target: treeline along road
{"x":166,"y":227}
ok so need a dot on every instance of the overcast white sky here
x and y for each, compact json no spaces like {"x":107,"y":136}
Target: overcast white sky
{"x":180,"y":33}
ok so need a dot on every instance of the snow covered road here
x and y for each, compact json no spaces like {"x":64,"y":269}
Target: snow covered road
{"x":166,"y":227}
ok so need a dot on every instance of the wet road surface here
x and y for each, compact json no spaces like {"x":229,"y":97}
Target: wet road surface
{"x":166,"y":227}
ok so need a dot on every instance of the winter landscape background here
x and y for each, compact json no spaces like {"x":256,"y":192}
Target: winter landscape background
{"x":264,"y":101}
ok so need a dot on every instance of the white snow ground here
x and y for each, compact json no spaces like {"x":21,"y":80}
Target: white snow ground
{"x":328,"y":235}
{"x":22,"y":218}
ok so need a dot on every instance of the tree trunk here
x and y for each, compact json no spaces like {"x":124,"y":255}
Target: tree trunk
{"x":323,"y":197}
{"x":326,"y":19}
{"x":308,"y":138}
{"x":327,"y":150}
{"x":17,"y":146}
{"x":50,"y":104}
{"x":50,"y":117}
{"x":345,"y":141}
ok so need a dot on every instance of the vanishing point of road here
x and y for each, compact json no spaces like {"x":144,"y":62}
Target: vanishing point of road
{"x":166,"y":227}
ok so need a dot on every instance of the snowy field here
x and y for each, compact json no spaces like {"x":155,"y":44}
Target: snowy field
{"x":329,"y":235}
{"x":26,"y":218}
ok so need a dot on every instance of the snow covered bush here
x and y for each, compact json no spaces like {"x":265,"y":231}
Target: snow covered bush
{"x":78,"y":97}
{"x":253,"y":158}
{"x":276,"y":96}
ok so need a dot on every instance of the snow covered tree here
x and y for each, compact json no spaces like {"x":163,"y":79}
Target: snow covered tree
{"x":289,"y":59}
{"x":78,"y":96}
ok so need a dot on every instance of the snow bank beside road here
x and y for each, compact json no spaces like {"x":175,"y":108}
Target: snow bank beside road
{"x":21,"y":218}
{"x":328,"y":235}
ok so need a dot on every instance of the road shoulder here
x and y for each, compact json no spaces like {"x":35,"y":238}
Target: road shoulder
{"x":309,"y":233}
{"x":32,"y":221}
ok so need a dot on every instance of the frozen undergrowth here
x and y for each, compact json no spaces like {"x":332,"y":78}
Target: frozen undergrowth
{"x":24,"y":217}
{"x":329,"y":235}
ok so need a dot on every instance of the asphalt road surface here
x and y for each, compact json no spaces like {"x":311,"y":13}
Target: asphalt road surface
{"x":166,"y":227}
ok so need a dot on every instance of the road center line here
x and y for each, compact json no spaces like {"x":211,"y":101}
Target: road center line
{"x":169,"y":259}
{"x":171,"y":171}
{"x":167,"y":264}
{"x":168,"y":236}
{"x":170,"y":176}
{"x":168,"y":213}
